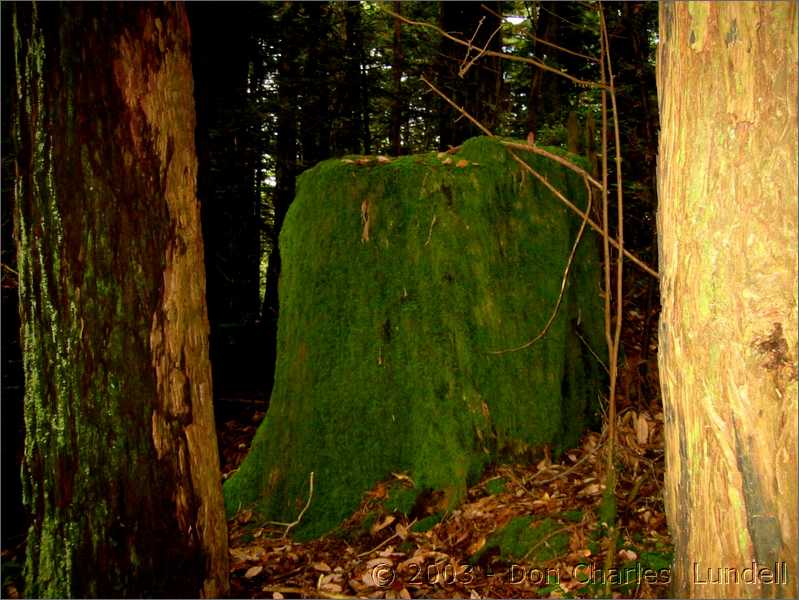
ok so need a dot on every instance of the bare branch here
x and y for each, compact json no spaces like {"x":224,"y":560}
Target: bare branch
{"x":634,"y":259}
{"x":513,"y":57}
{"x":565,"y":278}
{"x":464,"y":68}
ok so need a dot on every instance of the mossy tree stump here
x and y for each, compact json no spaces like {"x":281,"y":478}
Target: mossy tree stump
{"x":399,"y":280}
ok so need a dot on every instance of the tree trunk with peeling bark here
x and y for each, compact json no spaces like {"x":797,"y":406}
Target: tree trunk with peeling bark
{"x":727,"y":82}
{"x":121,"y":471}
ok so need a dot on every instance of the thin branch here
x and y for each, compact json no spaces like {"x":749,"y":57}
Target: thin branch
{"x":638,"y":262}
{"x":474,"y":35}
{"x":565,"y":20}
{"x":386,"y":541}
{"x":532,"y":481}
{"x":304,"y":508}
{"x":288,"y":526}
{"x":513,"y":57}
{"x":430,"y":231}
{"x":9,"y":269}
{"x":591,"y":350}
{"x":563,"y":282}
{"x":491,"y":11}
{"x":558,"y":159}
{"x":613,"y":340}
{"x":539,"y":40}
{"x":620,"y":218}
{"x":465,"y":68}
{"x":460,"y":109}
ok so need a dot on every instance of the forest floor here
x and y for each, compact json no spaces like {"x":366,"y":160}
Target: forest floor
{"x":469,"y":553}
{"x":524,"y":531}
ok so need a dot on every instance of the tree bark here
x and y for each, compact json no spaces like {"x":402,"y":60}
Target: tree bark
{"x":121,"y":471}
{"x":316,"y":74}
{"x":354,"y":138}
{"x":727,"y":182}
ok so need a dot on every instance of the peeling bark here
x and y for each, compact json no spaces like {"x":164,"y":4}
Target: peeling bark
{"x":121,"y":466}
{"x":727,"y":220}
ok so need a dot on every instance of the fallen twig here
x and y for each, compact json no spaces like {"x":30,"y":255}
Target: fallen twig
{"x":288,"y":526}
{"x":430,"y":231}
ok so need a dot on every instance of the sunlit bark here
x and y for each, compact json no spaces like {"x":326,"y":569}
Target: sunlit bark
{"x":727,"y":178}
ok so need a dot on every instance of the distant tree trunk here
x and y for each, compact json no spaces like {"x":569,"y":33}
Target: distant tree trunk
{"x":478,"y":91}
{"x":121,"y":469}
{"x":12,"y":422}
{"x":286,"y":173}
{"x":546,"y":26}
{"x":227,"y":146}
{"x":223,"y":50}
{"x":727,"y":181}
{"x":315,"y":131}
{"x":396,"y":71}
{"x":354,"y":136}
{"x":573,"y":133}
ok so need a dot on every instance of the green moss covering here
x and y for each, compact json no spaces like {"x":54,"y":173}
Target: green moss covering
{"x":384,"y":345}
{"x":521,"y":539}
{"x":495,"y":486}
{"x":427,"y":523}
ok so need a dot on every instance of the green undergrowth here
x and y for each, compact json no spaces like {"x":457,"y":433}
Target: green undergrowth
{"x":524,"y":540}
{"x":495,"y":487}
{"x":384,"y":344}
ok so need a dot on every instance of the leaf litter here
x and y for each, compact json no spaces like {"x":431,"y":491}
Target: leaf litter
{"x":523,"y":531}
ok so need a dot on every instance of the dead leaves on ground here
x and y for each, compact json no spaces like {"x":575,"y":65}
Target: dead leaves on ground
{"x":392,"y":558}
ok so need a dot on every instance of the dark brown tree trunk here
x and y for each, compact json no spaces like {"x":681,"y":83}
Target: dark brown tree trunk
{"x":476,"y":85}
{"x":727,"y":224}
{"x":286,"y":173}
{"x":546,"y":27}
{"x":315,"y":131}
{"x":12,"y":435}
{"x":223,"y":50}
{"x":226,"y":136}
{"x":354,"y":135}
{"x":121,"y":470}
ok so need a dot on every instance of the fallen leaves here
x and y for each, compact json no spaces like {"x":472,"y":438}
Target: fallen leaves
{"x":389,"y":559}
{"x":253,"y":571}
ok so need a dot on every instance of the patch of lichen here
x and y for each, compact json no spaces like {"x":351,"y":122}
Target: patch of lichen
{"x":384,"y":345}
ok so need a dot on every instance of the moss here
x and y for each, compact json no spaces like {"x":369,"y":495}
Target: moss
{"x":401,"y":500}
{"x":384,"y":345}
{"x":607,"y":508}
{"x":427,"y":523}
{"x":575,"y":516}
{"x":520,"y":540}
{"x":495,"y":486}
